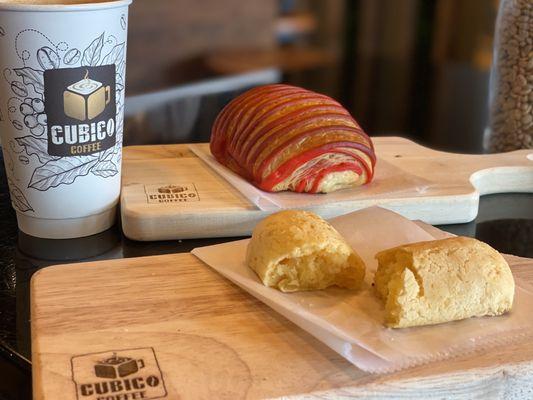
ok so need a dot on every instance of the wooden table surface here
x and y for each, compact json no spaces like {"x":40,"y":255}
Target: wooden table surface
{"x":213,"y":340}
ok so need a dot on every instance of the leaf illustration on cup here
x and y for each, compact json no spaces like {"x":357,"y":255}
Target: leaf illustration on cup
{"x":120,"y":122}
{"x":106,"y":155}
{"x":32,"y":77}
{"x":72,"y":57}
{"x":93,"y":53}
{"x":123,"y":22}
{"x":121,"y":68}
{"x":19,"y":201}
{"x":115,"y":55}
{"x":36,"y":147}
{"x":48,"y":58}
{"x":2,"y":31}
{"x":12,"y":148}
{"x":111,"y":40}
{"x":105,"y":169}
{"x":62,"y":171}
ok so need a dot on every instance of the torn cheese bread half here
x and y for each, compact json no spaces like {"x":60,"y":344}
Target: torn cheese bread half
{"x":443,"y":280}
{"x":297,"y":250}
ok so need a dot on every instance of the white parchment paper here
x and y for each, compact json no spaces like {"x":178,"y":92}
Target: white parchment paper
{"x":351,"y":322}
{"x":388,"y":181}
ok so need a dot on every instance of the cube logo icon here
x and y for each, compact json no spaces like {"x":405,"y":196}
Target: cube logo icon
{"x":118,"y":374}
{"x":172,"y":189}
{"x":86,"y":99}
{"x":117,"y":367}
{"x":81,"y":110}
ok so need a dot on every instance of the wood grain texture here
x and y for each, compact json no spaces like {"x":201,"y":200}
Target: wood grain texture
{"x":213,"y":340}
{"x":457,"y":180}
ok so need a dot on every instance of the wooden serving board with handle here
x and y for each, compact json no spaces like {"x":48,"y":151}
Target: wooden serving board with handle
{"x":170,"y":327}
{"x":206,"y":205}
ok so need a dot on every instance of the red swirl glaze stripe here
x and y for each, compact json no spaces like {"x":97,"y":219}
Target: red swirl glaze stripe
{"x":271,"y":156}
{"x":282,"y":137}
{"x":286,"y":169}
{"x":250,"y":134}
{"x":283,"y":132}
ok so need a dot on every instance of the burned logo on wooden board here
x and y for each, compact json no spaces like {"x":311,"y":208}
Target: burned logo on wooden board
{"x":114,"y":375}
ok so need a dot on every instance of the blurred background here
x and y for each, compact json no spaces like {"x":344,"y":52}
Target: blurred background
{"x":416,"y":68}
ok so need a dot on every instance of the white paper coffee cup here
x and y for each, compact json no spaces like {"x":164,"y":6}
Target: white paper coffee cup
{"x":63,"y":70}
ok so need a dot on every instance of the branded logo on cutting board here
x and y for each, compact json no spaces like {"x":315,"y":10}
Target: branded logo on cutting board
{"x":171,"y":193}
{"x":118,"y":375}
{"x":81,"y":110}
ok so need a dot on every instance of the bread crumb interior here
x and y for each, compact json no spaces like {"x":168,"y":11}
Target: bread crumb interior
{"x":316,"y":270}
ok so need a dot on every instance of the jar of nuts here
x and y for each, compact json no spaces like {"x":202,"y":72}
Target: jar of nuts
{"x":511,"y":84}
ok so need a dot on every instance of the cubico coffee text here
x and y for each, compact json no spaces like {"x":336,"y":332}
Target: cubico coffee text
{"x":123,"y":389}
{"x":82,"y":138}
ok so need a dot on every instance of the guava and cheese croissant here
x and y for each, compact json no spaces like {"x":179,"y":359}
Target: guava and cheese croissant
{"x":281,"y":137}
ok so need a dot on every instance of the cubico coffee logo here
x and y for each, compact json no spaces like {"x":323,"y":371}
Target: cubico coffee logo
{"x":160,"y":194}
{"x":121,"y":375}
{"x":81,"y":110}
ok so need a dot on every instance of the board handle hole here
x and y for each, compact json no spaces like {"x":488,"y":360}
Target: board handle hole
{"x":530,"y":157}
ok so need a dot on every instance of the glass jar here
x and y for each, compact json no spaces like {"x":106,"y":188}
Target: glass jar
{"x":511,"y":83}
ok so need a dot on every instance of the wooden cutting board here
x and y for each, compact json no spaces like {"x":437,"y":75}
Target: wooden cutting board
{"x":173,"y":328}
{"x":208,"y":206}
